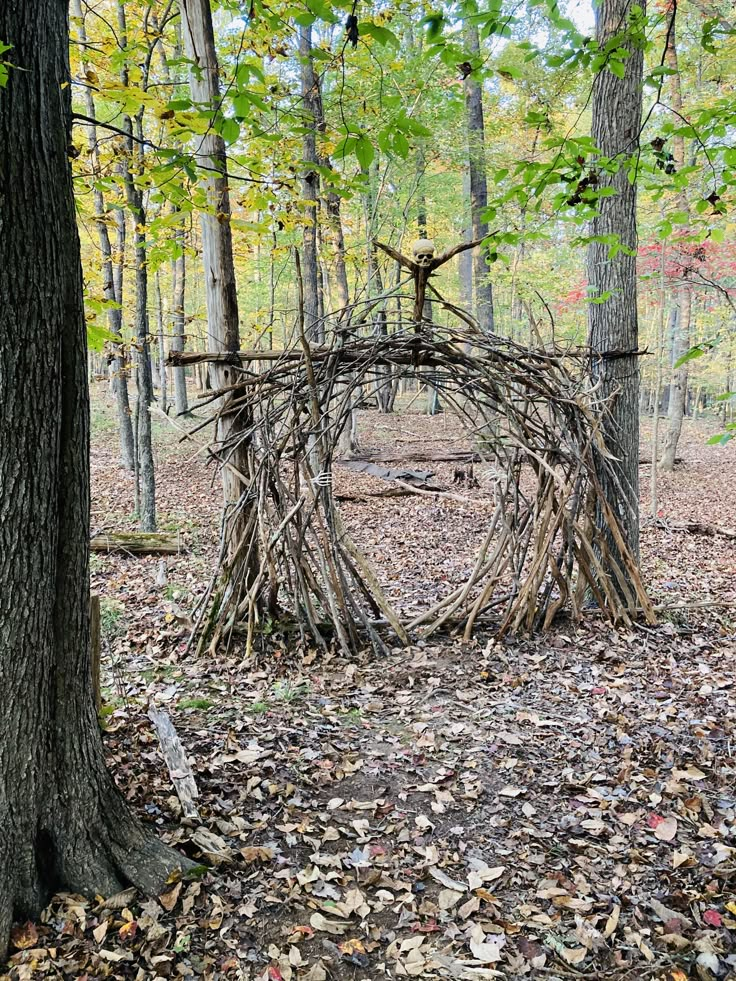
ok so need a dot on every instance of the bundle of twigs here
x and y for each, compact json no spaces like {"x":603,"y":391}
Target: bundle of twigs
{"x":535,"y":420}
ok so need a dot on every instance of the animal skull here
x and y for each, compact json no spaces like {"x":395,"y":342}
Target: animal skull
{"x":423,"y":251}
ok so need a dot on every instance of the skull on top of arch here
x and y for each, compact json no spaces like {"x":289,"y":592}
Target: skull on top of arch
{"x":422,"y":251}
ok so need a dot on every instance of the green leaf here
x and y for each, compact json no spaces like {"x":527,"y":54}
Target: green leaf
{"x":364,"y":151}
{"x":401,"y":146}
{"x":345,"y":147}
{"x":720,"y":439}
{"x":98,"y":336}
{"x":381,"y":34}
{"x":230,"y":130}
{"x":695,"y":352}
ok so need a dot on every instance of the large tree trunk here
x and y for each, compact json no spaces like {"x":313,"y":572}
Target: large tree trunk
{"x":681,"y":333}
{"x":478,"y":183}
{"x":613,"y":324}
{"x":114,"y":313}
{"x":63,"y":823}
{"x":223,"y":333}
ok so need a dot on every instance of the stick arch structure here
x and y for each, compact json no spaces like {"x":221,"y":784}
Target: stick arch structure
{"x":536,"y":422}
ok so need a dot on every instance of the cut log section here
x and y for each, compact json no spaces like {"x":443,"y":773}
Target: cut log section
{"x":176,"y":760}
{"x":137,"y":543}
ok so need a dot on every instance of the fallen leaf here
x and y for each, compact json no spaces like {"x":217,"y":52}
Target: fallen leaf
{"x":448,"y":898}
{"x":25,"y":936}
{"x":128,"y":930}
{"x":254,"y":854}
{"x":334,"y":927}
{"x":486,"y":953}
{"x":574,"y":955}
{"x":169,"y":899}
{"x":666,"y":829}
{"x":713,"y":918}
{"x":612,"y":922}
{"x":445,"y":879}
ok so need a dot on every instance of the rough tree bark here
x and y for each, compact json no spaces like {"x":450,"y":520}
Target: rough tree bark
{"x":613,"y":324}
{"x":477,"y":181}
{"x":223,"y":333}
{"x":114,"y":314}
{"x":63,"y":823}
{"x":310,"y":187}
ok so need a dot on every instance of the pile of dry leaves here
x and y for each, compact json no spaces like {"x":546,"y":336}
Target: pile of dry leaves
{"x":557,"y":808}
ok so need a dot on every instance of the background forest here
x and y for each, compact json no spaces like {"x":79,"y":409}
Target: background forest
{"x":335,"y":137}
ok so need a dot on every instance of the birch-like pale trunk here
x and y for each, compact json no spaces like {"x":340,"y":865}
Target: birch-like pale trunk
{"x":223,"y":333}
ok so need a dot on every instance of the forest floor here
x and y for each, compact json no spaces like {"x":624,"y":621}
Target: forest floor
{"x":562,"y":807}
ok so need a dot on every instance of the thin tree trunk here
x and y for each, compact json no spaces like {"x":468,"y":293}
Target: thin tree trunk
{"x":653,"y":504}
{"x":310,"y":187}
{"x":348,"y":440}
{"x":163,"y":393}
{"x":478,"y":183}
{"x":613,"y":324}
{"x":271,"y":289}
{"x":382,"y":373}
{"x":64,"y":826}
{"x":178,"y":339}
{"x":114,"y":314}
{"x":433,"y":398}
{"x":145,"y":472}
{"x":681,"y":337}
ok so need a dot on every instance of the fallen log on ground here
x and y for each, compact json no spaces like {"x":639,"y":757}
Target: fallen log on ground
{"x":420,"y":478}
{"x":697,"y":528}
{"x":417,"y":455}
{"x":137,"y":543}
{"x":176,"y":761}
